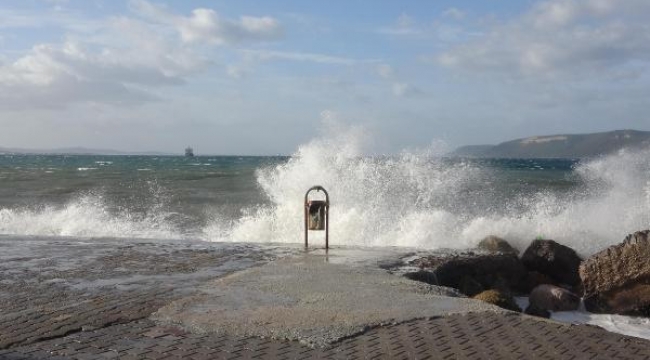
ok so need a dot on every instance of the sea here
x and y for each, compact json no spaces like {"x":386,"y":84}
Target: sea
{"x":417,"y":198}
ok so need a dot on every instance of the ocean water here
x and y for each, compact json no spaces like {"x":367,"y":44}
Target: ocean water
{"x":417,"y":198}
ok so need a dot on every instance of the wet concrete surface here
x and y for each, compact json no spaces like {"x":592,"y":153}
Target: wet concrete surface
{"x":54,"y":286}
{"x":314,"y":298}
{"x":71,"y":298}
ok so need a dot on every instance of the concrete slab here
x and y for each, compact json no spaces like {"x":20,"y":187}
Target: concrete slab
{"x":314,"y":298}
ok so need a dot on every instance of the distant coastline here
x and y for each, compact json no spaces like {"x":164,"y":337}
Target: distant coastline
{"x":77,"y":151}
{"x":567,"y":146}
{"x":572,"y":146}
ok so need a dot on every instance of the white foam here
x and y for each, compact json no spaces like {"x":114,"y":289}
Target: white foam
{"x":620,"y":324}
{"x":626,"y":325}
{"x":417,"y":200}
{"x":86,"y":216}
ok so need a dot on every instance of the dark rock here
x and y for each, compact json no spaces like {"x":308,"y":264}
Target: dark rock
{"x":498,"y":298}
{"x":553,"y":298}
{"x":469,"y":286}
{"x":629,"y":300}
{"x":617,"y":279}
{"x":496,"y":244}
{"x":555,"y":260}
{"x":532,"y":280}
{"x":535,"y":311}
{"x":502,"y":271}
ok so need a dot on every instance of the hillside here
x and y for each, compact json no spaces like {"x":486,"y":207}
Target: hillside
{"x":560,"y":146}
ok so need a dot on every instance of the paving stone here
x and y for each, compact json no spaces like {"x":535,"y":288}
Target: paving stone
{"x":87,"y":321}
{"x":483,"y":335}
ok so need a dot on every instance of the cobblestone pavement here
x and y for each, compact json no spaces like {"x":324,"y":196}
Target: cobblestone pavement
{"x":471,"y":336}
{"x":64,"y":299}
{"x":53,"y":287}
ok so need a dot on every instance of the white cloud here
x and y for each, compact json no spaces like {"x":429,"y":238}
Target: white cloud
{"x":58,"y":4}
{"x":405,"y":21}
{"x":405,"y":90}
{"x":268,"y":55}
{"x":123,"y":60}
{"x":237,"y":71}
{"x":454,"y":13}
{"x":398,"y":86}
{"x":205,"y":25}
{"x":404,"y":25}
{"x":573,"y":38}
{"x":57,"y":75}
{"x":385,"y":71}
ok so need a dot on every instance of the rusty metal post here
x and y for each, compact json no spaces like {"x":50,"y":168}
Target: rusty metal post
{"x":318,"y":205}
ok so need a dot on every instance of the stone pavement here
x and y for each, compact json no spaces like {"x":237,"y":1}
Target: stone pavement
{"x":51,"y":287}
{"x":71,"y":299}
{"x":470,"y":336}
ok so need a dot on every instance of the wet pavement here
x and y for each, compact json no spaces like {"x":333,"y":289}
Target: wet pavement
{"x":313,"y":298}
{"x":53,"y":287}
{"x":106,"y":298}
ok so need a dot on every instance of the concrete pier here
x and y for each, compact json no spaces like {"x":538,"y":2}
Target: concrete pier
{"x":108,"y":298}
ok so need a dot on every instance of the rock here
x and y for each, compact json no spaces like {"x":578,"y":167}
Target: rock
{"x":469,"y":286}
{"x":467,"y":271}
{"x":553,"y":298}
{"x":534,"y":279}
{"x":617,"y":279}
{"x":555,"y":260}
{"x":495,"y":244}
{"x":499,"y":299}
{"x":535,"y":311}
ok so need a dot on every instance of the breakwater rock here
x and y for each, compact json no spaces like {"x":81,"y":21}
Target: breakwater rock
{"x":553,"y":259}
{"x":617,"y":279}
{"x":553,"y":298}
{"x":471,"y":273}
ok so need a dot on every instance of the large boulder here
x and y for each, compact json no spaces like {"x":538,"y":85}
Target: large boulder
{"x":553,"y":298}
{"x":470,"y":286}
{"x":498,"y":298}
{"x":617,"y":279}
{"x":555,"y":260}
{"x":495,"y":244}
{"x":532,"y":280}
{"x":470,"y":272}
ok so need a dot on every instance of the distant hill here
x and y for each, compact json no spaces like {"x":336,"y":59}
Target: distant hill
{"x":560,"y":146}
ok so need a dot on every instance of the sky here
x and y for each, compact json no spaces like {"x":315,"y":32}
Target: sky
{"x":261,"y":77}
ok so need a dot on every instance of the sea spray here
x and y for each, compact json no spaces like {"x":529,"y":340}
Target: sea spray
{"x":375,"y":200}
{"x":420,"y":199}
{"x":88,"y":215}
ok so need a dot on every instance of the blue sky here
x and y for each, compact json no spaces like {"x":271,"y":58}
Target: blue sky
{"x":258,"y":77}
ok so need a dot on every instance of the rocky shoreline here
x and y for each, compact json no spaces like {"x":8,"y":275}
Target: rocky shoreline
{"x":553,"y":276}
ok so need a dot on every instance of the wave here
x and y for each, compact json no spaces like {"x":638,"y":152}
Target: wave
{"x":88,"y":216}
{"x":418,"y":199}
{"x":415,"y":199}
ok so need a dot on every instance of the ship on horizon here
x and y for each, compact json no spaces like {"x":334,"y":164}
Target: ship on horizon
{"x":189,"y":152}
